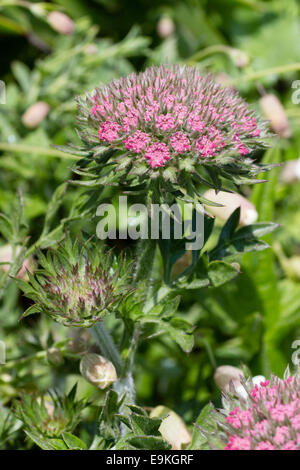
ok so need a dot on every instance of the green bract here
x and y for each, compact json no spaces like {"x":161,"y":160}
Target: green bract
{"x":49,"y":416}
{"x":77,"y":285}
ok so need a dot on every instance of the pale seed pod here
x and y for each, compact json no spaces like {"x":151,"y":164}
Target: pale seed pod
{"x":230,"y":202}
{"x":165,"y":27}
{"x":275,"y":113}
{"x":61,"y":22}
{"x":6,"y":256}
{"x":290,"y":172}
{"x":35,"y":114}
{"x":97,"y":370}
{"x":173,"y":429}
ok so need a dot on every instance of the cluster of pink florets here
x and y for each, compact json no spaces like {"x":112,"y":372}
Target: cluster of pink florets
{"x":271,"y":422}
{"x":167,"y":113}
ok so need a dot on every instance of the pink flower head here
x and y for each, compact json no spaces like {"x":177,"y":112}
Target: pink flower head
{"x":267,"y":419}
{"x":169,"y":112}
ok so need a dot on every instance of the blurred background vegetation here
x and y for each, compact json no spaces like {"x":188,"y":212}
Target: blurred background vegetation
{"x":47,"y":59}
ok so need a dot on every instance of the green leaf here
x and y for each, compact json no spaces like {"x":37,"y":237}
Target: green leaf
{"x":230,"y":226}
{"x":73,"y":442}
{"x":179,"y":331}
{"x":53,"y":207}
{"x":6,"y":227}
{"x":198,"y":439}
{"x":47,"y":444}
{"x":220,"y":272}
{"x":144,"y":424}
{"x":148,"y":443}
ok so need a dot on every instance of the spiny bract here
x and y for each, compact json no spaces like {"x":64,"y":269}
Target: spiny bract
{"x":77,"y":285}
{"x":49,"y":416}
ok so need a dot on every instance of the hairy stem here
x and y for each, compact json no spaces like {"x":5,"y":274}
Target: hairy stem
{"x":107,"y":346}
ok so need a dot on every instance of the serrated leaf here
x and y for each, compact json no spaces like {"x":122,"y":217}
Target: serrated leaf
{"x":144,"y":424}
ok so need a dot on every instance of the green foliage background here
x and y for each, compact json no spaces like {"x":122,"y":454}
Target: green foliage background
{"x":254,"y":318}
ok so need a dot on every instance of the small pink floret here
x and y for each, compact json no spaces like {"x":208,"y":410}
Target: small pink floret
{"x":157,"y":154}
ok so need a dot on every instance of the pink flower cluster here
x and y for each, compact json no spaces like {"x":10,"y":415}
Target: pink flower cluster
{"x":168,"y":113}
{"x":271,"y":422}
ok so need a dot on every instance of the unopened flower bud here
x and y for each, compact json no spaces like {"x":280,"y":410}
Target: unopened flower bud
{"x":224,"y":375}
{"x":275,"y":113}
{"x":258,"y":379}
{"x":97,"y":370}
{"x":230,"y":202}
{"x":54,"y":356}
{"x":6,"y":257}
{"x":239,"y":58}
{"x":6,"y":378}
{"x":165,"y":27}
{"x":172,"y":428}
{"x":61,"y":22}
{"x":90,"y":49}
{"x":291,"y":171}
{"x":35,"y":114}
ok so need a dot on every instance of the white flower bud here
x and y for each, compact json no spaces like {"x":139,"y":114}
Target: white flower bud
{"x":257,"y":379}
{"x":97,"y":370}
{"x":230,"y":202}
{"x":224,"y":375}
{"x":239,"y":58}
{"x":54,"y":356}
{"x":61,"y":22}
{"x":172,"y":428}
{"x":6,"y":256}
{"x":165,"y":27}
{"x":35,"y":114}
{"x":275,"y":113}
{"x":290,"y":172}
